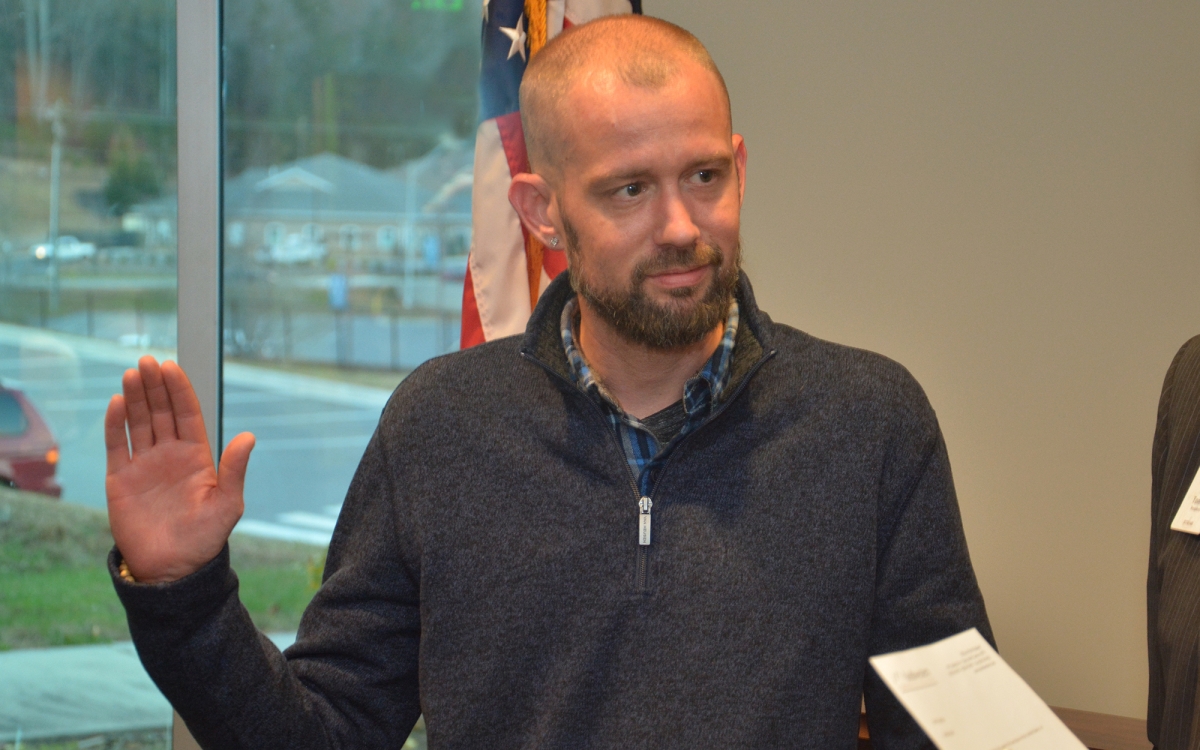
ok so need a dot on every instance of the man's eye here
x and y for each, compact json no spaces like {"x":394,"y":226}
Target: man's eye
{"x":632,"y":190}
{"x":706,"y":175}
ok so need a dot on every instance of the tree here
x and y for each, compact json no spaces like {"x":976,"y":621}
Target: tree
{"x":131,"y":174}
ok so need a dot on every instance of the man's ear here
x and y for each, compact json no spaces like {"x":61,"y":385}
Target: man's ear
{"x":533,"y":200}
{"x":739,"y":160}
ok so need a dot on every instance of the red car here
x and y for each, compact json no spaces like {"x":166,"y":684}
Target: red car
{"x":28,"y":451}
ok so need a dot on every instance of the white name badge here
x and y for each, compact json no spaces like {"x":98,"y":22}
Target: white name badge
{"x":1187,"y":519}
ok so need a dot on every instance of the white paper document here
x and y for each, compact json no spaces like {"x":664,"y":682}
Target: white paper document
{"x":1188,"y":517}
{"x":966,"y":697}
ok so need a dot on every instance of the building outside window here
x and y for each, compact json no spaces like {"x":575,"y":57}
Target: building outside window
{"x":235,"y":234}
{"x":386,"y":238}
{"x":274,"y":234}
{"x":313,"y":233}
{"x":314,"y":348}
{"x":358,"y":121}
{"x":88,"y":169}
{"x":350,"y":237}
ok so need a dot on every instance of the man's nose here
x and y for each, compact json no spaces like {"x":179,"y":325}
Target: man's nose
{"x":678,"y":228}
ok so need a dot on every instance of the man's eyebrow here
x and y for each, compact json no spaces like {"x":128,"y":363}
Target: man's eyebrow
{"x":715,"y":161}
{"x":630,"y":176}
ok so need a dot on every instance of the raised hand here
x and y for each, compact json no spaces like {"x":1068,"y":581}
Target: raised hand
{"x":170,"y":510}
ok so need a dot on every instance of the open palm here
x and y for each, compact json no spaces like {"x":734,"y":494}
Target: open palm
{"x":170,"y":509}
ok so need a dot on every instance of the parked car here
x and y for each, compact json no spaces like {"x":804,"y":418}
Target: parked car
{"x":67,"y":248}
{"x":28,"y":450}
{"x":294,"y":250}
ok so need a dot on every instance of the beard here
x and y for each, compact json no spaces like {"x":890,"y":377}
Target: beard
{"x":692,"y":312}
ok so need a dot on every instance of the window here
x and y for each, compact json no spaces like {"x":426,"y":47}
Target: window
{"x":432,"y":247}
{"x":358,"y":120}
{"x":350,"y":237}
{"x":12,"y":417}
{"x":235,"y":235}
{"x":313,"y":233}
{"x":274,"y":234}
{"x":88,"y":173}
{"x":354,"y":119}
{"x":386,"y":238}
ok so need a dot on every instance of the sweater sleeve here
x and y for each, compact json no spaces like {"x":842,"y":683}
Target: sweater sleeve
{"x":350,"y":680}
{"x":925,"y":587}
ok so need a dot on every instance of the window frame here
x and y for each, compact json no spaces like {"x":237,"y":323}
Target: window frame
{"x":198,"y":73}
{"x":199,"y":228}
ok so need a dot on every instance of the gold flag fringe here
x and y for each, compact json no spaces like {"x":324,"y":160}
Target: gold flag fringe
{"x":535,"y":15}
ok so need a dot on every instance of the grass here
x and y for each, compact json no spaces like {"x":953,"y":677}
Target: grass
{"x":25,"y":195}
{"x":55,"y":588}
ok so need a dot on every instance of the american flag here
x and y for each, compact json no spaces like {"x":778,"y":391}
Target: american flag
{"x":507,"y":269}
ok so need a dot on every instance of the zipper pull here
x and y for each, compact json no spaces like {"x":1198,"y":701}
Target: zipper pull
{"x":644,"y":506}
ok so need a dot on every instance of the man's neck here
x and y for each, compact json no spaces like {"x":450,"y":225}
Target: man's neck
{"x":642,"y":379}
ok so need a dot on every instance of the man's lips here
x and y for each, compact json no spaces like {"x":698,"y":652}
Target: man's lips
{"x":676,"y":278}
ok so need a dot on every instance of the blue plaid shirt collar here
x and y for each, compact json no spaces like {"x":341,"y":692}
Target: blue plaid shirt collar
{"x":701,"y":394}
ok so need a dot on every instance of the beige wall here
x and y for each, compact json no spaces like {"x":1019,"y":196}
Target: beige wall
{"x":1005,"y":197}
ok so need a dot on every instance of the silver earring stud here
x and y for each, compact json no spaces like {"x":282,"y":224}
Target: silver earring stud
{"x":554,"y":241}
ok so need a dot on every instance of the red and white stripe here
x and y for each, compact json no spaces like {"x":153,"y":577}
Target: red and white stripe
{"x":496,"y":294}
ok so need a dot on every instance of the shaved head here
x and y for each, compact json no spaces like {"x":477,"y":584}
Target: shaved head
{"x":629,"y":49}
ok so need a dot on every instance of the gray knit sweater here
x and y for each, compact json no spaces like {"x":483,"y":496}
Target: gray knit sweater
{"x":483,"y":571}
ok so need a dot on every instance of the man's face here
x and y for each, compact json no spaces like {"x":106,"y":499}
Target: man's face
{"x":648,"y":196}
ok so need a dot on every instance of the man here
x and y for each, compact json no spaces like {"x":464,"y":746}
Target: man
{"x":658,"y":519}
{"x":1173,"y":586}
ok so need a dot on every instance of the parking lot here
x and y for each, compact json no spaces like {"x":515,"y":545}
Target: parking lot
{"x":310,"y":432}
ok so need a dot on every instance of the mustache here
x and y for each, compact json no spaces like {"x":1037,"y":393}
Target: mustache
{"x":678,"y":258}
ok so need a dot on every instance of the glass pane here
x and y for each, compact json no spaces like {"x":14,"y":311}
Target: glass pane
{"x":87,"y":285}
{"x":349,"y":146}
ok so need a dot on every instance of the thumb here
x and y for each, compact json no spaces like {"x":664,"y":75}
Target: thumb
{"x":231,"y":473}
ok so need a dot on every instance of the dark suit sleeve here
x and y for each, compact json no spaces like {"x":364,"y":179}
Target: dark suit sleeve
{"x":1163,"y":501}
{"x":350,"y":680}
{"x":925,"y":587}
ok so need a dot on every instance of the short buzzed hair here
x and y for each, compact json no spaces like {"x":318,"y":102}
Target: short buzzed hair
{"x":640,"y":51}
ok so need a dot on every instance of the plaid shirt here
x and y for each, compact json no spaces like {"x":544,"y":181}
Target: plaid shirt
{"x":701,"y":395}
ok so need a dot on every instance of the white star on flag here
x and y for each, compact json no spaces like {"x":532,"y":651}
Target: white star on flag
{"x":485,"y":10}
{"x":518,"y":37}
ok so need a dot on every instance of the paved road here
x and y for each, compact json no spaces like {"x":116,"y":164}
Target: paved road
{"x":311,"y":432}
{"x":377,"y":341}
{"x":76,"y":691}
{"x":90,"y":691}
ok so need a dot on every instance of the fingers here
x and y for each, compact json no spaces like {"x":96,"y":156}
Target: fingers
{"x":115,"y":443}
{"x":231,"y":473}
{"x":160,"y":405}
{"x":189,"y":421}
{"x":137,"y":412}
{"x":162,"y":416}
